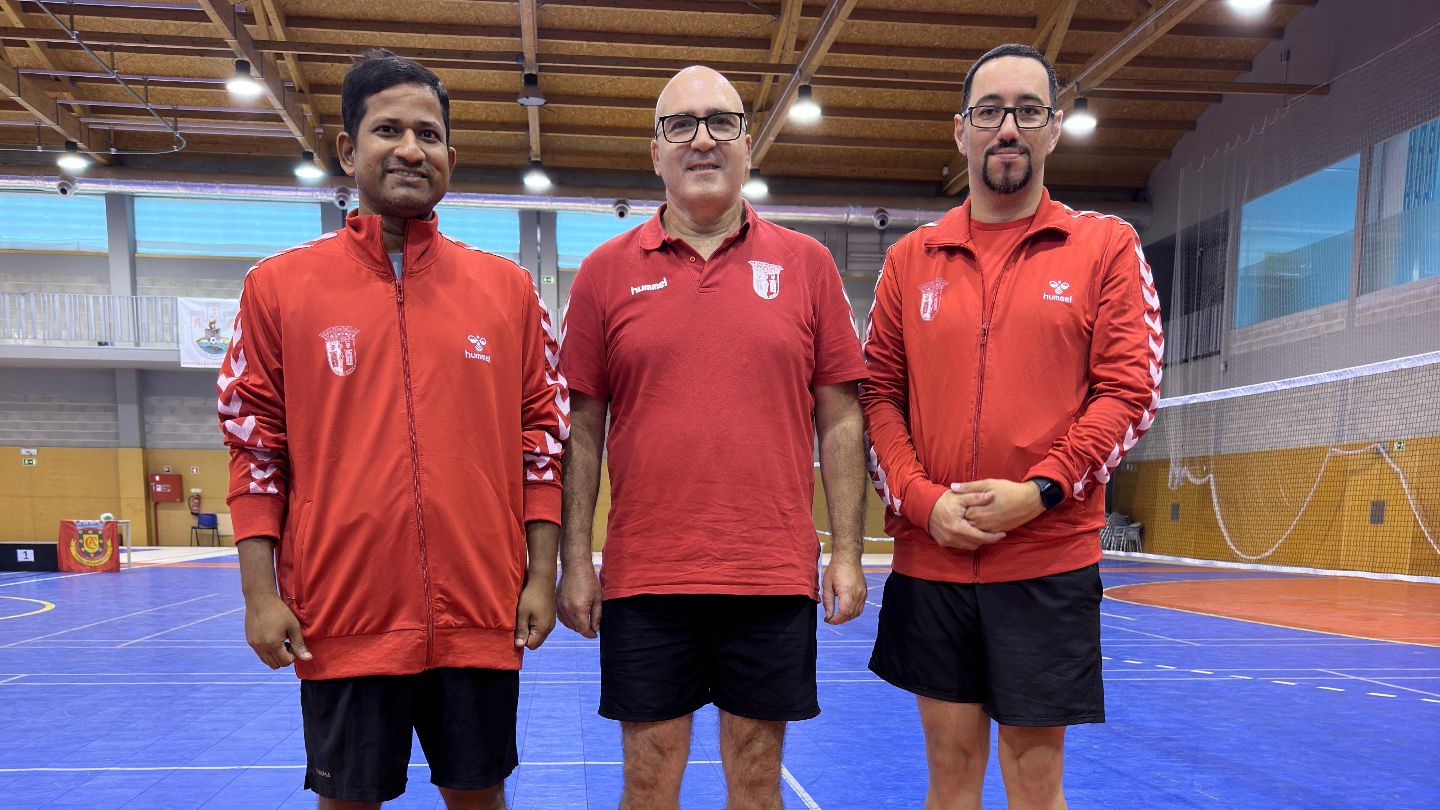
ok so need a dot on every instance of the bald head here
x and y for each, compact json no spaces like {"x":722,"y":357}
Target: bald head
{"x":695,"y":83}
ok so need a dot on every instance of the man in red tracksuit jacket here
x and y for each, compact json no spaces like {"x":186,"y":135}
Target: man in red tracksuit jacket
{"x":1014,"y":355}
{"x":395,"y":422}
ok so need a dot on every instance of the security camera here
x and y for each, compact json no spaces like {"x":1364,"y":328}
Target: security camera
{"x":622,"y":208}
{"x":65,"y":185}
{"x":342,"y":198}
{"x":881,"y":218}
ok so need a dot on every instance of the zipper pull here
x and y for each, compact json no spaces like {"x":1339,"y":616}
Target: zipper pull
{"x":399,"y":291}
{"x":984,"y":333}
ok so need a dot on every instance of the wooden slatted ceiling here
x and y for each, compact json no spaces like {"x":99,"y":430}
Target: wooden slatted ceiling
{"x":889,"y":81}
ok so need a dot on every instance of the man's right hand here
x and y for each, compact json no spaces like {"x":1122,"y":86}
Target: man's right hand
{"x":950,"y":528}
{"x":578,"y":600}
{"x":269,"y":623}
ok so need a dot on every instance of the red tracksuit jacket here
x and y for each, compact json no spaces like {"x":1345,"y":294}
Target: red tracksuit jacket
{"x":395,"y":435}
{"x":1053,"y":371}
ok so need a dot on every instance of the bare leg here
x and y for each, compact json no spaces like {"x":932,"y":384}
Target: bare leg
{"x":491,"y":798}
{"x":750,"y":751}
{"x":338,"y":804}
{"x":957,"y":747}
{"x":1032,"y":760}
{"x":655,"y":756}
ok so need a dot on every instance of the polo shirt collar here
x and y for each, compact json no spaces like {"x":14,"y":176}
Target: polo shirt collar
{"x":652,"y":234}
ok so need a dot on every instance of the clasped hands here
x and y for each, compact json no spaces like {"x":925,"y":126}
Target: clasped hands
{"x":976,"y":513}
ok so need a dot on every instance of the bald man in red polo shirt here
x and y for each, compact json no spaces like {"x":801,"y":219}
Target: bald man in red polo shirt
{"x":719,"y":344}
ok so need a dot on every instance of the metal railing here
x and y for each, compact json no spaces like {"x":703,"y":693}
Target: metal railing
{"x":70,"y":319}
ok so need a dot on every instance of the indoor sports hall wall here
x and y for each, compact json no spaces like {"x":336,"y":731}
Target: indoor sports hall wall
{"x":1296,"y":245}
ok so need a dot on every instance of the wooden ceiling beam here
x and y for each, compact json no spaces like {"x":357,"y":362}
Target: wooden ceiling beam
{"x":176,"y":44}
{"x":529,"y":50}
{"x":30,"y":94}
{"x":1059,"y":24}
{"x":1021,"y":24}
{"x":831,"y":21}
{"x":288,"y":104}
{"x":270,"y":9}
{"x":782,"y":46}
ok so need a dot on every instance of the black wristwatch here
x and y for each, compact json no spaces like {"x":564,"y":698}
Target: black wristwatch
{"x":1050,"y":492}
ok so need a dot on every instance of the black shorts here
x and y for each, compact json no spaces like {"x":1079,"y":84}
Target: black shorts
{"x":663,"y":656}
{"x":357,"y":731}
{"x":1028,"y":652}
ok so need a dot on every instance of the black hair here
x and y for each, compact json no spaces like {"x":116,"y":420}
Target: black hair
{"x":377,"y":71}
{"x":1011,"y":49}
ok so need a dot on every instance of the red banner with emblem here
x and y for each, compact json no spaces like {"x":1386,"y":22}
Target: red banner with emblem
{"x":89,"y":545}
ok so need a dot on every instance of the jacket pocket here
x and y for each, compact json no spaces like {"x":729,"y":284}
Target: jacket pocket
{"x":297,"y":556}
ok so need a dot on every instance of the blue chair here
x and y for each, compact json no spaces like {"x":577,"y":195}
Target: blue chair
{"x":207,"y":524}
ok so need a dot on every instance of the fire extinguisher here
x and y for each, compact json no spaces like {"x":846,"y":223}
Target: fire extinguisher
{"x":195,"y":504}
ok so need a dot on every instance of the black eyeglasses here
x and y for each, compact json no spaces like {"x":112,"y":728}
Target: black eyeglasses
{"x":1029,"y":116}
{"x":683,"y":127}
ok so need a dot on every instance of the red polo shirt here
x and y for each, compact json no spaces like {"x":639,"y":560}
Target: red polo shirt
{"x":708,"y":367}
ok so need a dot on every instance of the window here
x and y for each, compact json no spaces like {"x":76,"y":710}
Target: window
{"x":1296,"y":245}
{"x":37,"y":221}
{"x":496,"y":230}
{"x":1402,"y":210}
{"x":578,"y":233}
{"x":250,"y":229}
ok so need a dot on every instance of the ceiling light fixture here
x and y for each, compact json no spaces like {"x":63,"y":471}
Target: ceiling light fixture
{"x":530,"y":93}
{"x":535,"y":177}
{"x":71,"y":160}
{"x":1250,"y":6}
{"x":1080,"y":121}
{"x":243,"y":82}
{"x":755,"y":187}
{"x":805,"y":109}
{"x":306,"y":169}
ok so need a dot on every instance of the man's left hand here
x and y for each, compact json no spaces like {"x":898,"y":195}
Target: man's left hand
{"x":1016,"y":503}
{"x":535,"y":615}
{"x":843,"y":591}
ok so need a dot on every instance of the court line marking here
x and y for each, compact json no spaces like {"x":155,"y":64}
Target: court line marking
{"x":1152,"y":635}
{"x":1118,"y":616}
{"x":1383,"y":683}
{"x":1379,"y":694}
{"x":1330,"y":688}
{"x":12,"y":678}
{"x":799,"y":791}
{"x":44,"y":607}
{"x":45,"y":579}
{"x":183,"y":626}
{"x":107,"y":621}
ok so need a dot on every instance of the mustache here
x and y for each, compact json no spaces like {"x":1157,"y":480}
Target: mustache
{"x":1011,"y":144}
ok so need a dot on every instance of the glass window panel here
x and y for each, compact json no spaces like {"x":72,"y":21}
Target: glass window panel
{"x":578,"y":233}
{"x":1402,"y":210}
{"x":251,"y":229}
{"x":41,"y":221}
{"x":496,"y":230}
{"x":1296,"y":245}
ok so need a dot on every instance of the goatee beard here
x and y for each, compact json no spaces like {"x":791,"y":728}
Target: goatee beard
{"x":1002,"y":186}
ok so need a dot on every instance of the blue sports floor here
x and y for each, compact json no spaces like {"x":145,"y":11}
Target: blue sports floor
{"x":137,"y":690}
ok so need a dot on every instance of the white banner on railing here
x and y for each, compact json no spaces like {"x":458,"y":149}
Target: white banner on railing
{"x":205,"y":325}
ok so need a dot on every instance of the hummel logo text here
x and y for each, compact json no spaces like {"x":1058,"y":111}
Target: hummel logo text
{"x":659,"y":285}
{"x":1059,"y":287}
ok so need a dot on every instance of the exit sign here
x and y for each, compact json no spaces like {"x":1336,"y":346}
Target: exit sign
{"x":30,"y":461}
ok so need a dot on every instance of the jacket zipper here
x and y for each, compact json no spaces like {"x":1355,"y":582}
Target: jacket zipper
{"x":415,"y":468}
{"x":986,"y":314}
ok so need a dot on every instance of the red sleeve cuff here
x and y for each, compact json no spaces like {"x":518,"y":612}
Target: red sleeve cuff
{"x":919,"y":501}
{"x":542,"y":501}
{"x":257,"y":516}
